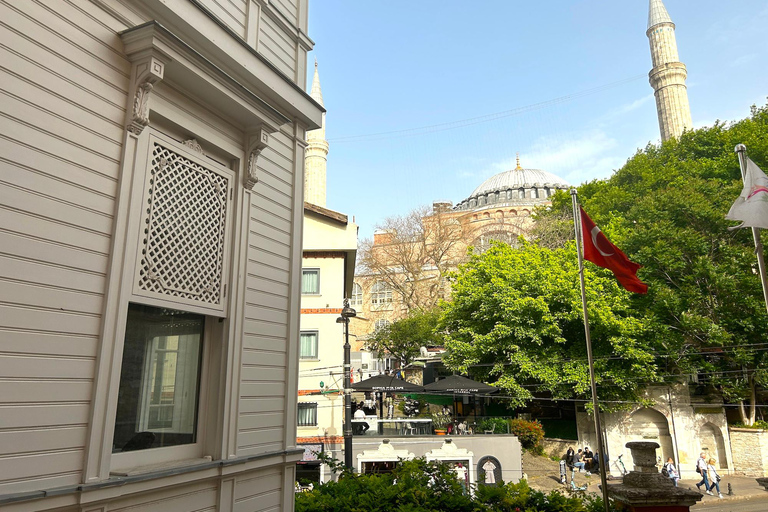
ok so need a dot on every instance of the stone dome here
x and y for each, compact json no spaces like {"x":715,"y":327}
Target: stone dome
{"x":516,"y":186}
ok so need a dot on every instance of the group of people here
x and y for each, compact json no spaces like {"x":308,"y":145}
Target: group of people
{"x":709,"y":477}
{"x":583,"y":460}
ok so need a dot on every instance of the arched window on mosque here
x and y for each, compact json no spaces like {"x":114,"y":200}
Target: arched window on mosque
{"x":521,"y":193}
{"x":357,"y":295}
{"x":483,"y":242}
{"x":534,"y":193}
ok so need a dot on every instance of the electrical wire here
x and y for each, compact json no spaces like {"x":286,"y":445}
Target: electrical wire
{"x":460,"y":123}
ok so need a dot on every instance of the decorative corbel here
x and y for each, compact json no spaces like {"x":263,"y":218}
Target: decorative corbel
{"x":258,"y":141}
{"x":148,"y":72}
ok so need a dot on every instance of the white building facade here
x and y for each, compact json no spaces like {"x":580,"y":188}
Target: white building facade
{"x":151,"y":190}
{"x":328,"y":266}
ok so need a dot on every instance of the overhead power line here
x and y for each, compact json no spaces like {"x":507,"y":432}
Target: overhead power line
{"x":460,"y":123}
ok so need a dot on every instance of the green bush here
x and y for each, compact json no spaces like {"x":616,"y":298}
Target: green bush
{"x":757,"y":424}
{"x":421,"y":486}
{"x":530,"y":433}
{"x":495,"y":425}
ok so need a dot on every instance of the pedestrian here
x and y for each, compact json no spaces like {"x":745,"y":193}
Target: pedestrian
{"x":701,"y":468}
{"x":671,"y":470}
{"x":714,"y":477}
{"x":578,"y":462}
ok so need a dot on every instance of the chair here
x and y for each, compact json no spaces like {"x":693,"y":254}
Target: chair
{"x":410,"y":429}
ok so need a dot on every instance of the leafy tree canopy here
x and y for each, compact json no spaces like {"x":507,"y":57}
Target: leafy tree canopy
{"x":403,"y":338}
{"x":665,"y":208}
{"x":515,"y":319}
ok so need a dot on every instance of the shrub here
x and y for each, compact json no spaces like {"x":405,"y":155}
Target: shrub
{"x":421,"y":486}
{"x":495,"y":425}
{"x":530,"y":433}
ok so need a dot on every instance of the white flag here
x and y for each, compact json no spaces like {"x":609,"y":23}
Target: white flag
{"x":751,"y":207}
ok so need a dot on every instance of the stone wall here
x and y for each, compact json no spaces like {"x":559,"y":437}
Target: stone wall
{"x":750,"y":451}
{"x":557,"y":447}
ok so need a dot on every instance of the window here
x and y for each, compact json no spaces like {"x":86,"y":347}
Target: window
{"x":380,"y":324}
{"x":159,"y":380}
{"x":307,"y":414}
{"x":308,"y":345}
{"x":357,"y":295}
{"x":381,"y":294}
{"x":310,"y":281}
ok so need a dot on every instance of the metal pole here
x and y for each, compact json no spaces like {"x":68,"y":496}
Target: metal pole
{"x":347,"y":399}
{"x":741,"y":150}
{"x":596,"y":412}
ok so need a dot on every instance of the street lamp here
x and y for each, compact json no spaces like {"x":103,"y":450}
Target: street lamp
{"x":347,"y":313}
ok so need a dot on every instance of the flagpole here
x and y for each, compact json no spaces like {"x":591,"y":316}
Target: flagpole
{"x":596,"y":413}
{"x":741,"y":150}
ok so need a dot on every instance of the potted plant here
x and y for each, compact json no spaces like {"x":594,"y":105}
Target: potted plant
{"x":440,"y":421}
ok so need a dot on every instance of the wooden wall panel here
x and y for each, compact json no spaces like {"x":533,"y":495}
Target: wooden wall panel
{"x":63,"y":93}
{"x":231,"y":12}
{"x":277,"y":46}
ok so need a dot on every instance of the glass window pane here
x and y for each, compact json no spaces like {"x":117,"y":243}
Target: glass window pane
{"x":307,"y":415}
{"x":310,"y":281}
{"x":308,"y":345}
{"x":159,"y":379}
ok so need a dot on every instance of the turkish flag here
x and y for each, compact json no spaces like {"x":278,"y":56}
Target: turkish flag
{"x":603,"y":253}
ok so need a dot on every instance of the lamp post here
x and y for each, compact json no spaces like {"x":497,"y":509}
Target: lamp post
{"x":347,"y":313}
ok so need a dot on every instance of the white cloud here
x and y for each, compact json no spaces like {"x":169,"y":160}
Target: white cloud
{"x":627,"y":107}
{"x":587,"y":156}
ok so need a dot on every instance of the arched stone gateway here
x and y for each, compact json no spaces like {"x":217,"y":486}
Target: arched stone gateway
{"x":651,"y":425}
{"x":713,"y":444}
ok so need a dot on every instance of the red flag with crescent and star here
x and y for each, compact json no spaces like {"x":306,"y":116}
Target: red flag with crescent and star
{"x":603,"y":253}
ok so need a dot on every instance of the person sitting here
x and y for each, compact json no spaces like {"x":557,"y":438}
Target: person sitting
{"x":360,"y":427}
{"x":578,"y":461}
{"x":589,"y":459}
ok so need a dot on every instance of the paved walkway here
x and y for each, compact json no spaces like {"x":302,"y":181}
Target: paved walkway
{"x":743,"y":488}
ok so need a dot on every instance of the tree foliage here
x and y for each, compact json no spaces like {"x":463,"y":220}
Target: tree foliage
{"x":404,"y":337}
{"x":421,"y":486}
{"x":515,"y":320}
{"x":665,"y":208}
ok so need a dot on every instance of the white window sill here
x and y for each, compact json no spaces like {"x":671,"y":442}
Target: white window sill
{"x":161,"y":466}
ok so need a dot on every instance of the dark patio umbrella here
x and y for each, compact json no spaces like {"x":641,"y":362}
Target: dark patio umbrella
{"x":458,"y":385}
{"x":387,"y":384}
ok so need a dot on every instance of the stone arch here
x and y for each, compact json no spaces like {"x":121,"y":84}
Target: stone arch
{"x":651,"y":425}
{"x":500,"y":213}
{"x":713,"y":444}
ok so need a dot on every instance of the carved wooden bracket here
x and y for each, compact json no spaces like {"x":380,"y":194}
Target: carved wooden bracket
{"x":148,"y":71}
{"x":258,"y":141}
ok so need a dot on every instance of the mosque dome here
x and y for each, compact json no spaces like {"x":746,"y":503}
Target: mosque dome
{"x":517,"y":186}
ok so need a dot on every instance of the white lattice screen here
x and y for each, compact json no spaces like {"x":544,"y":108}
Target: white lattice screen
{"x":184,"y":227}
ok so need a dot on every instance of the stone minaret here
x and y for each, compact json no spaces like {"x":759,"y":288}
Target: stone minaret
{"x":316,"y":156}
{"x":668,"y":74}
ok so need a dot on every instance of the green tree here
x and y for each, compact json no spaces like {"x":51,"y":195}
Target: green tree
{"x":665,"y":208}
{"x":403,"y":338}
{"x":515,"y":320}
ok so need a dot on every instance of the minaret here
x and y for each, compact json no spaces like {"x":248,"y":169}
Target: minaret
{"x":668,"y":74}
{"x":316,"y":155}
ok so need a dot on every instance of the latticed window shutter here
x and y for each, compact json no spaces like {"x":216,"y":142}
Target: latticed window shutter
{"x":183,"y":250}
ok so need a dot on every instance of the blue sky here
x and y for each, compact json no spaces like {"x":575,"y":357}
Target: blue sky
{"x":426,"y":99}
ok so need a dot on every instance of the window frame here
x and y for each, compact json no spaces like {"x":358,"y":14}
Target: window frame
{"x":317,"y":271}
{"x":377,"y":303}
{"x":316,"y":357}
{"x":122,"y":461}
{"x":306,"y":405}
{"x":357,"y":296}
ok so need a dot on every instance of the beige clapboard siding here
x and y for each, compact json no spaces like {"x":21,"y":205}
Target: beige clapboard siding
{"x":63,"y":87}
{"x":260,"y":492}
{"x":288,"y":8}
{"x":277,"y":46}
{"x":231,"y":12}
{"x":195,"y":497}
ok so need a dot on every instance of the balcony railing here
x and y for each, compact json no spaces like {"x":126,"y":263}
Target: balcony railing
{"x":397,"y":427}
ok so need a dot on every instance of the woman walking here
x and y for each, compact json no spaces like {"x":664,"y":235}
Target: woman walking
{"x":714,"y":478}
